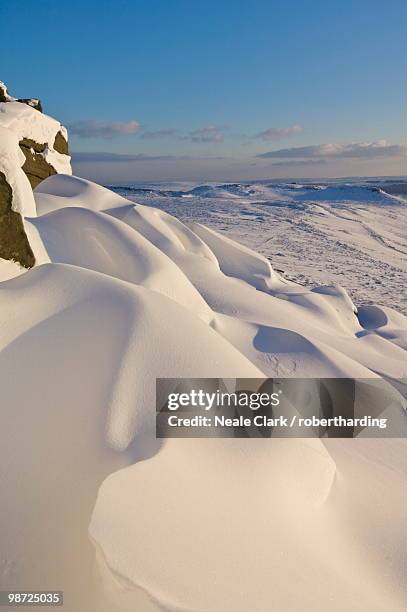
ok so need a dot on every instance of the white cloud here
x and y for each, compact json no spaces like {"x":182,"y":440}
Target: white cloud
{"x":292,"y":163}
{"x":152,"y":134}
{"x":209,"y":133}
{"x":103,"y":156}
{"x":279,"y":133}
{"x":92,"y":128}
{"x":359,"y":150}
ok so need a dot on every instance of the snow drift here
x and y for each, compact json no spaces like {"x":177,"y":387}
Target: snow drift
{"x":121,"y":294}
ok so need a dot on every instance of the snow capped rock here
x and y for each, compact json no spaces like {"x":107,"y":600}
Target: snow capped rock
{"x":11,"y":161}
{"x":42,"y":139}
{"x":4,"y":95}
{"x":16,"y":201}
{"x":33,"y":146}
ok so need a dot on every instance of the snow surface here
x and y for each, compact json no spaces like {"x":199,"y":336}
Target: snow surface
{"x":66,"y":191}
{"x":59,"y":161}
{"x":28,"y":122}
{"x":10,"y":269}
{"x":351,"y":233}
{"x":123,"y":293}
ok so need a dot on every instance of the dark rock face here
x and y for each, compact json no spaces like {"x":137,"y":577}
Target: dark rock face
{"x":32,"y":102}
{"x":5,"y":97}
{"x":13,"y":240}
{"x":35,"y":166}
{"x":60,"y":144}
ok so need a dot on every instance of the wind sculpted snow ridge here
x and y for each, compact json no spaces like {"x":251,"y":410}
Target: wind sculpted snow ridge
{"x":121,"y":294}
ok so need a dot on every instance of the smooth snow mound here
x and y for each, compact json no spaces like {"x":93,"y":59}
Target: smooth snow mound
{"x":123,"y":294}
{"x":60,"y":191}
{"x":106,"y":245}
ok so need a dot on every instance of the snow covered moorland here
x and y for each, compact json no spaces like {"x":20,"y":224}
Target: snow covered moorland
{"x":349,"y":231}
{"x":122,"y":293}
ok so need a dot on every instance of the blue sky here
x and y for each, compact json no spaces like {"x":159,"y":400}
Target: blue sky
{"x":216,"y":90}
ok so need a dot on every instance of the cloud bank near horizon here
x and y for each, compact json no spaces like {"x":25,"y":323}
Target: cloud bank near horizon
{"x":307,"y":155}
{"x":91,"y":128}
{"x":357,"y":150}
{"x":106,"y":157}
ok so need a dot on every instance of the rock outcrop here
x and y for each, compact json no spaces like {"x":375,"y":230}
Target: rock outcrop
{"x":33,"y":146}
{"x":5,"y":97}
{"x":35,"y":165}
{"x":13,"y":240}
